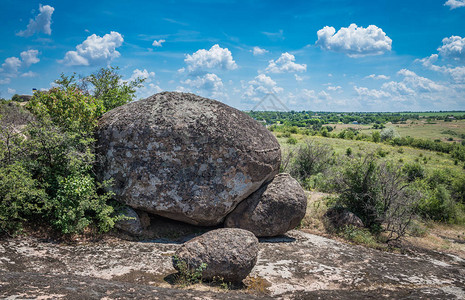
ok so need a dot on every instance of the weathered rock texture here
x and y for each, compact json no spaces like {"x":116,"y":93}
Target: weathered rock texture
{"x":272,"y":210}
{"x":228,"y":253}
{"x":185,"y":157}
{"x":132,"y":223}
{"x":340,"y":217}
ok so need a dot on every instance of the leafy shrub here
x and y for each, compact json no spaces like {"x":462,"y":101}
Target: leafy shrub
{"x":70,"y":109}
{"x":358,"y":235}
{"x":187,"y":275}
{"x":414,"y":171}
{"x":110,"y":89}
{"x":292,"y":141}
{"x":378,"y":194}
{"x":310,"y":159}
{"x":388,"y":133}
{"x":77,"y":205}
{"x":21,"y":198}
{"x":56,"y":147}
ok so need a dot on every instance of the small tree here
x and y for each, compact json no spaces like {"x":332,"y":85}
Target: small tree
{"x":108,"y":86}
{"x":388,"y":134}
{"x":379,"y":195}
{"x":310,"y":159}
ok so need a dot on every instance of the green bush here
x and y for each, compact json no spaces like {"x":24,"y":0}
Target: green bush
{"x":378,"y":194}
{"x":21,"y":198}
{"x":292,"y":141}
{"x":69,"y":109}
{"x":388,"y":133}
{"x":414,"y":171}
{"x":77,"y":205}
{"x":57,"y":150}
{"x":310,"y":159}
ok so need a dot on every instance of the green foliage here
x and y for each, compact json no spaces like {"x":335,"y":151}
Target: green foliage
{"x":349,"y":151}
{"x":56,"y":146}
{"x":358,"y":235}
{"x":414,"y":171}
{"x":77,"y":205}
{"x":378,"y":194}
{"x":187,"y":274}
{"x":310,"y":159}
{"x":108,"y":87}
{"x":21,"y":198}
{"x":70,"y":109}
{"x":388,"y":134}
{"x":292,"y":141}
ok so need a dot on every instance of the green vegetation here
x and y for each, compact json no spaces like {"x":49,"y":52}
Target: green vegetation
{"x":387,"y":186}
{"x":47,"y":155}
{"x":187,"y":275}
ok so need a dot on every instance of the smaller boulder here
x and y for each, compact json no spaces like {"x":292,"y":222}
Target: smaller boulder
{"x":272,"y":210}
{"x":131,"y":222}
{"x":226,"y":253}
{"x":340,"y":217}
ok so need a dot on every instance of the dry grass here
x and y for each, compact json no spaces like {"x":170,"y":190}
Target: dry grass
{"x":441,"y":237}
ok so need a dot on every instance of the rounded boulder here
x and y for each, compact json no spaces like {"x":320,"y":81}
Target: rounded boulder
{"x":274,"y":209}
{"x":226,"y":253}
{"x":184,"y":157}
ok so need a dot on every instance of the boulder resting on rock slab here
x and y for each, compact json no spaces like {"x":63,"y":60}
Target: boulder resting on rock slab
{"x":228,"y":253}
{"x":185,"y":157}
{"x":274,"y":209}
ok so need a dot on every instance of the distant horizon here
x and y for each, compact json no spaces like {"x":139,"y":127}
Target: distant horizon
{"x":326,"y":56}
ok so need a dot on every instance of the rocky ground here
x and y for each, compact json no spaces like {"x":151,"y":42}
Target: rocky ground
{"x":299,"y":265}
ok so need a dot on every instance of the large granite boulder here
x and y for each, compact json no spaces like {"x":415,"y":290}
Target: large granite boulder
{"x":185,"y":157}
{"x":272,"y":210}
{"x":227,"y":253}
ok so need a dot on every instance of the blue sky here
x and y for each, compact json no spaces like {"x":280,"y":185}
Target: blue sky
{"x":314,"y":55}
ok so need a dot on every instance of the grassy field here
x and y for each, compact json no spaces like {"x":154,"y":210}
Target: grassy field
{"x":430,"y":159}
{"x":444,"y":131}
{"x":432,"y":113}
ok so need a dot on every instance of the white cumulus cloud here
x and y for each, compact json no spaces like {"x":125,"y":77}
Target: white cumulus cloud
{"x":158,"y":43}
{"x":29,"y":74}
{"x":41,"y":23}
{"x":453,"y":48}
{"x":354,"y":41}
{"x":12,"y":65}
{"x":208,"y":82}
{"x":29,"y":57}
{"x":143,"y":74}
{"x":95,"y":50}
{"x":378,"y":77}
{"x":11,"y":91}
{"x":258,"y":51}
{"x":215,"y":58}
{"x":457,"y":73}
{"x":285,"y":63}
{"x":453,"y":4}
{"x":5,"y":80}
{"x":259,"y":86}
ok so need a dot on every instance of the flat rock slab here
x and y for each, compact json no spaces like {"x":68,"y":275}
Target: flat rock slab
{"x":298,"y":266}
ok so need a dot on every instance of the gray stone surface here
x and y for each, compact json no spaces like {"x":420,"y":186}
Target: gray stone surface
{"x":229,"y":254}
{"x":298,"y":266}
{"x":132,"y":223}
{"x":272,"y":210}
{"x":340,"y":217}
{"x":185,"y":157}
